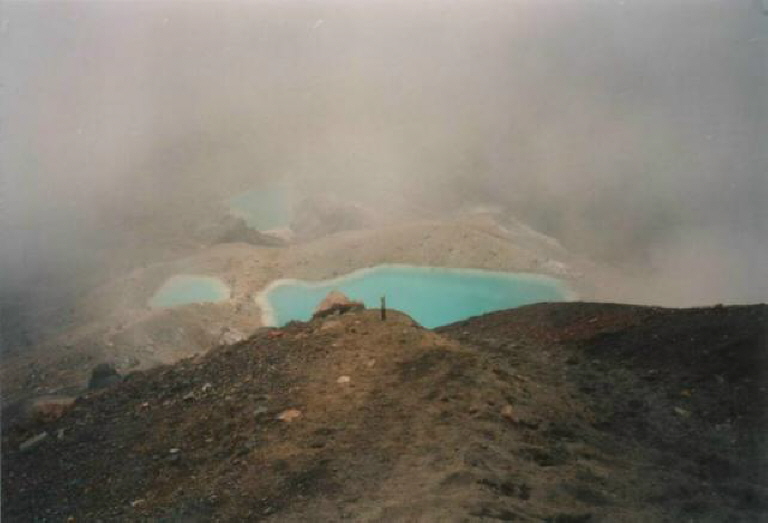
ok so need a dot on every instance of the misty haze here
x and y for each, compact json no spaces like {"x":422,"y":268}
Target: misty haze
{"x":177,"y":176}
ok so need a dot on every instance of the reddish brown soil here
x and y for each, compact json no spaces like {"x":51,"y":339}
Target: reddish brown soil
{"x":561,"y":412}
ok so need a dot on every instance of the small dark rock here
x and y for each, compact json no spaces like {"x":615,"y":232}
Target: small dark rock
{"x":104,"y":375}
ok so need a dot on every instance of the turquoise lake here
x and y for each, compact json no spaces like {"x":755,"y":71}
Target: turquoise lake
{"x":185,"y":289}
{"x":263,"y":209}
{"x":431,"y":296}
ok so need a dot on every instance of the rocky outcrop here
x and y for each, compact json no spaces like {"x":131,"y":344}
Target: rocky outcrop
{"x":231,"y":336}
{"x":235,"y":230}
{"x":43,"y":409}
{"x":336,"y":303}
{"x":103,"y":375}
{"x":325,"y":214}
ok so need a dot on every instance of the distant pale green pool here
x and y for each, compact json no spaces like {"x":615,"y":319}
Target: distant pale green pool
{"x":431,"y":296}
{"x":184,"y":289}
{"x":264,"y":208}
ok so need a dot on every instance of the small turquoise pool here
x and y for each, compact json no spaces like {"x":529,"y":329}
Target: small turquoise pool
{"x":431,"y":296}
{"x":185,"y":289}
{"x":263,"y":209}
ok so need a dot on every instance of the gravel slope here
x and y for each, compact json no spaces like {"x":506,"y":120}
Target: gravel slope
{"x":555,"y":412}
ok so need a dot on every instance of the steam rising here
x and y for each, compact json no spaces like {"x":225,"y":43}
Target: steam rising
{"x":633,"y":131}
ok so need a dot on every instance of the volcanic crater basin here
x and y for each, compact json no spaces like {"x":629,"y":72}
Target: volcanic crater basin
{"x":432,"y":296}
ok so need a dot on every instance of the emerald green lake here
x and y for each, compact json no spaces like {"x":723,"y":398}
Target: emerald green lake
{"x":431,"y":296}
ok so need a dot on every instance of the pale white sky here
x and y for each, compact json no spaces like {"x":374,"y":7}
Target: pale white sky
{"x":646,"y":111}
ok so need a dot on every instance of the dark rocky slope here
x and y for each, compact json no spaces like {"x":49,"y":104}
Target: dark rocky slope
{"x":560,"y":412}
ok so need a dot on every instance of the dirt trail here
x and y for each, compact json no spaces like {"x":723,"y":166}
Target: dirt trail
{"x":561,"y":412}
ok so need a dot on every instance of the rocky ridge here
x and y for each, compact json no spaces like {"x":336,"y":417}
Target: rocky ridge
{"x":559,"y":412}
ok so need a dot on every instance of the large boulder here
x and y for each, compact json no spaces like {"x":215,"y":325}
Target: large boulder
{"x":46,"y":408}
{"x":336,"y":302}
{"x":104,"y":375}
{"x":324,"y":214}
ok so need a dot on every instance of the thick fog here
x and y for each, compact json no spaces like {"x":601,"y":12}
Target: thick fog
{"x":633,"y":131}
